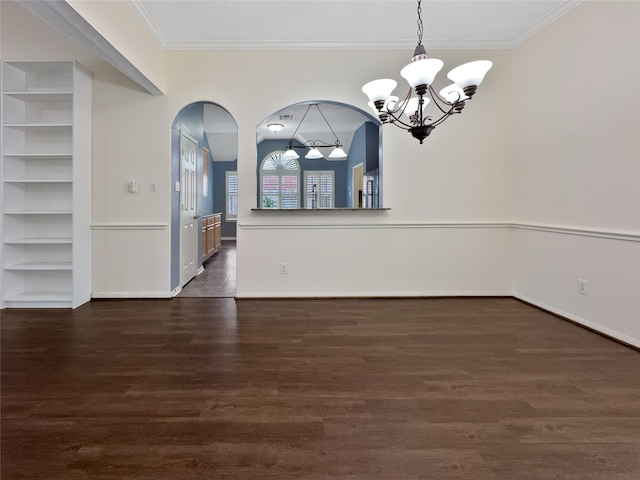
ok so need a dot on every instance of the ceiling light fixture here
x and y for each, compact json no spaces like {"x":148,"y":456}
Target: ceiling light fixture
{"x":275,"y":127}
{"x":420,"y":74}
{"x":314,"y":145}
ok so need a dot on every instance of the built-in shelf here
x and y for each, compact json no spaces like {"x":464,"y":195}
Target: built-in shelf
{"x":26,"y":180}
{"x":37,"y":125}
{"x":38,"y":241}
{"x":51,"y":299}
{"x":40,"y":266}
{"x":43,"y":156}
{"x":41,"y":97}
{"x":46,"y":185}
{"x":40,"y":212}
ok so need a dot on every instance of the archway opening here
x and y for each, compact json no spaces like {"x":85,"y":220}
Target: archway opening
{"x":309,"y":132}
{"x":204,"y":146}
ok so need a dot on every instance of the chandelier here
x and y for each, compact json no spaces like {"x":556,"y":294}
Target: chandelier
{"x":420,"y":74}
{"x":314,"y":145}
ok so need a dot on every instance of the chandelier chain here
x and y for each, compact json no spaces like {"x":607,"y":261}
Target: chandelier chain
{"x":420,"y":27}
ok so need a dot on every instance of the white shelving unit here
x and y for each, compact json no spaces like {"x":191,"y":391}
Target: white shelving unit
{"x":46,"y":184}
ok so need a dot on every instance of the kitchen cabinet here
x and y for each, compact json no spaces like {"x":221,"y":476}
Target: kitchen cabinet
{"x":211,"y":234}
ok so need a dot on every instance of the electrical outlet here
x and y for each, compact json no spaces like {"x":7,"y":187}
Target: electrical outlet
{"x":283,"y":268}
{"x":583,"y":287}
{"x":153,"y":186}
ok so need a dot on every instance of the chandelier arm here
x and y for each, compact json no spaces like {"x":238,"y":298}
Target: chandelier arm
{"x":442,"y":118}
{"x":402,"y":105}
{"x":435,"y":95}
{"x":396,"y":121}
{"x":437,"y":99}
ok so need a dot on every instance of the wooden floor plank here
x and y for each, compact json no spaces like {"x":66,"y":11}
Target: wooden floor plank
{"x":402,"y":389}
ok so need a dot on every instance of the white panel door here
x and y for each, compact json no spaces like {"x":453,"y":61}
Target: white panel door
{"x":188,"y":216}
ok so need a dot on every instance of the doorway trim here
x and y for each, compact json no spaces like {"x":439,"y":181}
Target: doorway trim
{"x":357,"y":178}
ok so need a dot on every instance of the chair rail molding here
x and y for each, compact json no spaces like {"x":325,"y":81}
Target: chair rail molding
{"x":129,"y":226}
{"x":622,"y":235}
{"x":584,"y":232}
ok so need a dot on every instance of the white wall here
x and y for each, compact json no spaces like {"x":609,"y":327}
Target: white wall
{"x":131,"y":241}
{"x":25,"y":37}
{"x":118,"y":23}
{"x":131,"y":236}
{"x":577,"y":167}
{"x":550,"y":143}
{"x":460,"y":175}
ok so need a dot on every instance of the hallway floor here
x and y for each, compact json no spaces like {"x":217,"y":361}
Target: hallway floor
{"x":219,"y":276}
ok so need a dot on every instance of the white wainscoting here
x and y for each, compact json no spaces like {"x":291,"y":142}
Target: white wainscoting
{"x":124,"y":269}
{"x":367,"y":259}
{"x":549,"y":261}
{"x":537,"y":263}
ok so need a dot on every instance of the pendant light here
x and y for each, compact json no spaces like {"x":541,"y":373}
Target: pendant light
{"x":314,"y":145}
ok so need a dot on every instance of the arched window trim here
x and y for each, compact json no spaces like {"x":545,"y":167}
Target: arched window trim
{"x":279,"y":182}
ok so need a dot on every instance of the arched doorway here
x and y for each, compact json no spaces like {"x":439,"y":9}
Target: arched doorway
{"x":204,"y":146}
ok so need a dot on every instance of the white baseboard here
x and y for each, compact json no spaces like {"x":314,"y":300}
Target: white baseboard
{"x":132,"y":295}
{"x":582,"y":321}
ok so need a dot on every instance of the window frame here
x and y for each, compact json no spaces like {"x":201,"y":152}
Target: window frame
{"x":229,"y":216}
{"x":280,"y":169}
{"x":319,"y":174}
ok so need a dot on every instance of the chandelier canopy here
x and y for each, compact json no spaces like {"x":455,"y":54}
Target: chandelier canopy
{"x":420,"y":74}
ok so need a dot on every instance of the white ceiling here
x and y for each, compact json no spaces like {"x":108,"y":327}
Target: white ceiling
{"x":334,"y":25}
{"x":344,"y":24}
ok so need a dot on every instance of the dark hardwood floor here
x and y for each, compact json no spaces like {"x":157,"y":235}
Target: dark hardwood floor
{"x":219,"y":276}
{"x":414,"y":389}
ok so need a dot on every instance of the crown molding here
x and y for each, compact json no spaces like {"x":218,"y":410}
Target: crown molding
{"x":148,"y":22}
{"x":408,"y":44}
{"x":250,"y":45}
{"x":544,"y":22}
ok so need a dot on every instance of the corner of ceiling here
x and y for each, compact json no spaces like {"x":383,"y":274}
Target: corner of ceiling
{"x":542,"y":23}
{"x":148,"y":22}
